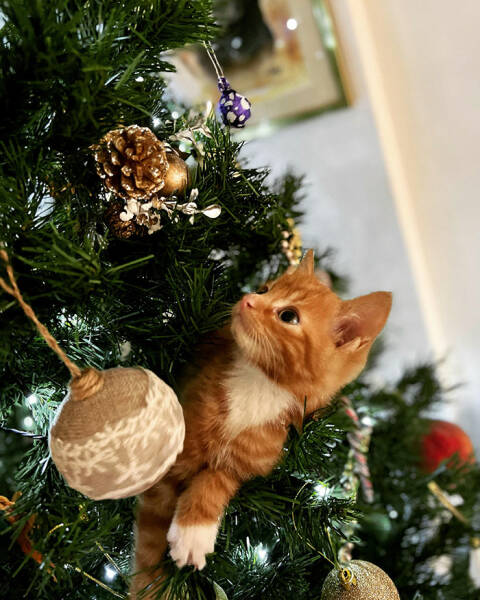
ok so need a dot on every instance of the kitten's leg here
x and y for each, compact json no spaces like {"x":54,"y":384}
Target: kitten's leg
{"x":199,"y":509}
{"x":155,"y":512}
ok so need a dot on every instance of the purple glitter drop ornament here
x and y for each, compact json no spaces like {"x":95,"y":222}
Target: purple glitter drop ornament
{"x":234,"y":108}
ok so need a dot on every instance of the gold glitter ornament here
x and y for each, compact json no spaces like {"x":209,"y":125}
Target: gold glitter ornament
{"x":176,"y":177}
{"x":292,"y":243}
{"x":359,"y":580}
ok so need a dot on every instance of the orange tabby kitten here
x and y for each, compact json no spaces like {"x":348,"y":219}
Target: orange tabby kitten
{"x":294,"y":339}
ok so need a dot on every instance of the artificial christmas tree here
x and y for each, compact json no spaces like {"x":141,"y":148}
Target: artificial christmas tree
{"x":72,"y":72}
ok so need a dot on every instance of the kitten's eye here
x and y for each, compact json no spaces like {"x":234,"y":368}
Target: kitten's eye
{"x":290,"y":316}
{"x":263,"y":289}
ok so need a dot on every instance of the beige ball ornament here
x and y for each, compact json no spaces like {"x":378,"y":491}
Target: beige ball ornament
{"x":118,"y":431}
{"x":359,"y":580}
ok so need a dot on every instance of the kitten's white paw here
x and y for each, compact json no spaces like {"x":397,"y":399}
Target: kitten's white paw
{"x":189,"y":544}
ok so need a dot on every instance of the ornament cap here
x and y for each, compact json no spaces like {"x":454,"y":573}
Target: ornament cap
{"x":224,"y":85}
{"x":347,"y":578}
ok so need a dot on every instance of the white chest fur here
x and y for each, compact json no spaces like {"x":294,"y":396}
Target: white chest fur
{"x":253,"y":399}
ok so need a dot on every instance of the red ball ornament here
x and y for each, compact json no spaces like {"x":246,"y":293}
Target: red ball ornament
{"x":441,"y":441}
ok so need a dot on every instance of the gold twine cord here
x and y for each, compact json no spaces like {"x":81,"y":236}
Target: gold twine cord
{"x":84,"y":383}
{"x":112,"y":562}
{"x":443,"y":499}
{"x":100,"y":583}
{"x":27,"y":547}
{"x":91,"y":577}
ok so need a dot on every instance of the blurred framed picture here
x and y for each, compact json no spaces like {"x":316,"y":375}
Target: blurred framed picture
{"x":282,"y":54}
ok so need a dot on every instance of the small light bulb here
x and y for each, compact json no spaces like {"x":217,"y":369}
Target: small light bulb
{"x":261,"y":552}
{"x":28,"y":422}
{"x":156,"y":121}
{"x":321,"y":490}
{"x":236,"y":42}
{"x":32,"y":399}
{"x":292,"y":24}
{"x":109,"y":573}
{"x":175,"y":114}
{"x":139,"y":78}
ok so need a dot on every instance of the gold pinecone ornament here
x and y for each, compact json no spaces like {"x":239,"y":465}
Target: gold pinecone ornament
{"x":359,"y":580}
{"x":132,"y":161}
{"x":142,"y":171}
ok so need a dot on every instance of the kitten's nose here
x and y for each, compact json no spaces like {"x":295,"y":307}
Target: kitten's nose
{"x":248,"y":301}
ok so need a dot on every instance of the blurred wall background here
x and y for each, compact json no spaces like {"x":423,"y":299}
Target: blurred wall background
{"x":422,"y":64}
{"x":402,"y":216}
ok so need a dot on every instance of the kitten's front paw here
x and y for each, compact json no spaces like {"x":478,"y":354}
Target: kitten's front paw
{"x":190,"y":543}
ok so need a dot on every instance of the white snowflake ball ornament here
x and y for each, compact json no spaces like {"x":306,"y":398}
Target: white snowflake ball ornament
{"x":121,"y":437}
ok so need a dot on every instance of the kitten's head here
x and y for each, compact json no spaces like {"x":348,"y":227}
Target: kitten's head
{"x":303,"y":335}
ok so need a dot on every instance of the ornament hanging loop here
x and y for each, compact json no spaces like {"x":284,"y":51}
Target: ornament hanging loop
{"x":347,"y":578}
{"x":213,"y":57}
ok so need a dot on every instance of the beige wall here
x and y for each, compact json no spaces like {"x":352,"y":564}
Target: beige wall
{"x":422,"y":64}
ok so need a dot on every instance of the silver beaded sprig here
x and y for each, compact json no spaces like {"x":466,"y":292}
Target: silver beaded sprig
{"x":150,"y":213}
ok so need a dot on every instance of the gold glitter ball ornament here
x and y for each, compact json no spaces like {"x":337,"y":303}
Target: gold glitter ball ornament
{"x":176,"y":178}
{"x":359,"y":580}
{"x":132,"y":161}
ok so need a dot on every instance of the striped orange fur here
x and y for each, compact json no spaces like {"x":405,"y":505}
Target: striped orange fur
{"x":251,"y":385}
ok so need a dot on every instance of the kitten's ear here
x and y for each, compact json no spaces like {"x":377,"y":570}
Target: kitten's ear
{"x":360,"y":320}
{"x":308,"y":264}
